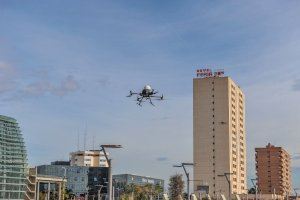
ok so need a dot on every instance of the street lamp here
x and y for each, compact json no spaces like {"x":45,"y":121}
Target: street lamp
{"x":227,"y":176}
{"x":255,"y":186}
{"x":103,"y":147}
{"x":187,"y":175}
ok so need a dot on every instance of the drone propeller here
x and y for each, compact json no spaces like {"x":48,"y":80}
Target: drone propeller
{"x":130,"y":94}
{"x":161,"y":98}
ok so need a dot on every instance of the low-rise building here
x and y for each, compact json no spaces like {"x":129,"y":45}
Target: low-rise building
{"x":121,"y":180}
{"x":81,"y":180}
{"x":44,"y":187}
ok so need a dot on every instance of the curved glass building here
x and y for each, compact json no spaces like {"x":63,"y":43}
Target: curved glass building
{"x":13,"y":161}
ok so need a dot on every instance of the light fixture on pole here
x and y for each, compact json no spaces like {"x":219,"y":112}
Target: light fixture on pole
{"x":103,"y":147}
{"x":227,"y":176}
{"x":183,"y":165}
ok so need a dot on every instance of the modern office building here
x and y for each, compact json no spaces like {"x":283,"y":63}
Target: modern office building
{"x":13,"y":162}
{"x":219,"y":142}
{"x":80,"y":179}
{"x":273,"y":169}
{"x":121,"y":180}
{"x":92,"y":158}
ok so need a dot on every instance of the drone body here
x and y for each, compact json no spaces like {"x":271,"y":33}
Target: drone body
{"x":147,"y":93}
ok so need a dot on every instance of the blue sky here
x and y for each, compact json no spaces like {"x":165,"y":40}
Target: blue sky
{"x":69,"y":64}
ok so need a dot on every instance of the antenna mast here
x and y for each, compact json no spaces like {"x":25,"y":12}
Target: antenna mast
{"x":85,"y":136}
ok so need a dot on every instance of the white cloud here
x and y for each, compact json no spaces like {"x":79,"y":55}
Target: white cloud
{"x":7,"y":77}
{"x":66,"y":86}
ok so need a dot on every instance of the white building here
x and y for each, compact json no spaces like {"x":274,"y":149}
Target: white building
{"x":91,"y":158}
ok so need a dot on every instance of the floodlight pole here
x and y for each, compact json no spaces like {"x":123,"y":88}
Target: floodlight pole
{"x":110,"y":189}
{"x":227,"y":176}
{"x":187,"y":176}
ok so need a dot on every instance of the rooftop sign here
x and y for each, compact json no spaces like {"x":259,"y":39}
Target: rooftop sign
{"x":209,"y":73}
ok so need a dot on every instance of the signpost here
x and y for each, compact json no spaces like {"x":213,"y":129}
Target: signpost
{"x":203,"y":73}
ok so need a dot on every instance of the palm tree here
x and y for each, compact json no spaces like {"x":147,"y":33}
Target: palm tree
{"x":176,"y":186}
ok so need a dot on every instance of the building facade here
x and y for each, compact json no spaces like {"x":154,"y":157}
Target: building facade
{"x":13,"y":162}
{"x":92,"y":158}
{"x":121,"y":180}
{"x":219,"y":143}
{"x":81,"y":180}
{"x":273,"y":169}
{"x":44,"y":187}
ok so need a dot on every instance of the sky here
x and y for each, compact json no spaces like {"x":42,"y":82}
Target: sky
{"x":66,"y":67}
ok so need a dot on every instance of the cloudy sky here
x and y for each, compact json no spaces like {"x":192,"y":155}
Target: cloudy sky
{"x":66,"y":67}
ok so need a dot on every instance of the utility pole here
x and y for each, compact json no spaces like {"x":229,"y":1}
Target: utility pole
{"x":183,"y":165}
{"x":110,"y":188}
{"x":227,"y":176}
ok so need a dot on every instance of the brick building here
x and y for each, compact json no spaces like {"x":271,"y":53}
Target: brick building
{"x":273,"y":170}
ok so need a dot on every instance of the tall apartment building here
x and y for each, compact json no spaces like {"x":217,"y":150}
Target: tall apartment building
{"x":13,"y":160}
{"x":92,"y":158}
{"x":273,"y":169}
{"x":219,"y":136}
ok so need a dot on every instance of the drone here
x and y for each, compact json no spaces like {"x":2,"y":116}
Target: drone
{"x":146,"y":94}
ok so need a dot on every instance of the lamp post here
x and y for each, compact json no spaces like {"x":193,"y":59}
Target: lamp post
{"x":227,"y":176}
{"x":255,"y":186}
{"x":183,"y":165}
{"x":103,"y":147}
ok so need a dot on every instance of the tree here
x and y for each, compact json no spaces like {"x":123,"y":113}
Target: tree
{"x":251,"y":191}
{"x":176,"y":185}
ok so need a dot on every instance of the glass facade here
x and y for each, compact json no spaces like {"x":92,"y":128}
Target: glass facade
{"x":80,"y":179}
{"x":121,"y":180}
{"x":13,"y":162}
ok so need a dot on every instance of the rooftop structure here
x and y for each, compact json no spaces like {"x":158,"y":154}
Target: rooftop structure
{"x":91,"y":158}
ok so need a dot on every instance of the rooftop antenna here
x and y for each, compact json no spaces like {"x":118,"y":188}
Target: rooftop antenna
{"x":94,"y":142}
{"x":77,"y":140}
{"x":85,"y":136}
